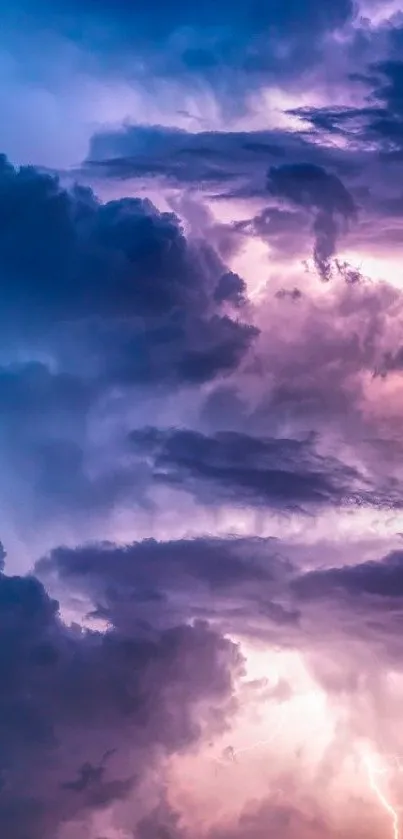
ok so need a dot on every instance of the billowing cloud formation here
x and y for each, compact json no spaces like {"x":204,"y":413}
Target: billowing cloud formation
{"x":97,"y":299}
{"x":311,"y":187}
{"x":200,"y":443}
{"x":260,"y":593}
{"x":84,"y":714}
{"x":123,"y":265}
{"x":245,"y":165}
{"x":148,"y":583}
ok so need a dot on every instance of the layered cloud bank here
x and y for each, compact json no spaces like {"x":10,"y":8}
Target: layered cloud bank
{"x":201,"y":354}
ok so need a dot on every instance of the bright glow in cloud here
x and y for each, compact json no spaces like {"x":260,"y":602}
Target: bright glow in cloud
{"x":376,"y":769}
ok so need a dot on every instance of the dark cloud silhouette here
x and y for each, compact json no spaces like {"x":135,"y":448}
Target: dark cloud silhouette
{"x":311,"y":187}
{"x":150,"y":583}
{"x":255,"y":586}
{"x":230,"y":288}
{"x":118,"y":277}
{"x":382,"y":578}
{"x":379,"y":122}
{"x":181,"y":349}
{"x":232,"y":163}
{"x":79,"y":708}
{"x":97,"y":299}
{"x":284,"y":473}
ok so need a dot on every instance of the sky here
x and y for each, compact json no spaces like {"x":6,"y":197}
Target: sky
{"x":201,"y":400}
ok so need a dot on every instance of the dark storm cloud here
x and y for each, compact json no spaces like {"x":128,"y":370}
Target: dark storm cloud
{"x":231,"y":288}
{"x":117,"y":278}
{"x":283,"y":473}
{"x":217,"y":162}
{"x":95,"y":300}
{"x":311,"y":187}
{"x":257,"y":588}
{"x":84,"y":715}
{"x":383,"y":579}
{"x":355,"y":189}
{"x":305,"y":190}
{"x":228,"y":163}
{"x":379,"y":122}
{"x":150,"y":583}
{"x":362,"y":601}
{"x":231,"y":46}
{"x":82,"y":258}
{"x":182,"y":349}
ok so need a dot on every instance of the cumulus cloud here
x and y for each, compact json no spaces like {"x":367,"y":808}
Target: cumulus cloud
{"x":256,"y":589}
{"x":104,"y":707}
{"x":84,"y":715}
{"x":253,"y":587}
{"x":83,"y":259}
{"x":97,"y":299}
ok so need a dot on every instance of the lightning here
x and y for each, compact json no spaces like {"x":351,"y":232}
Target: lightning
{"x":232,"y":754}
{"x":373,"y":771}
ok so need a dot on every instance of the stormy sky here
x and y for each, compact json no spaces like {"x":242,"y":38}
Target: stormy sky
{"x":201,"y":402}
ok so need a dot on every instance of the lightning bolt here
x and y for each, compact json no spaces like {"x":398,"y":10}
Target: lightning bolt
{"x":373,"y":771}
{"x":233,"y":753}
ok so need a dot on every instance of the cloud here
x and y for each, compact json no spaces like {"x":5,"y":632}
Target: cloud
{"x":268,"y":588}
{"x":103,"y":254}
{"x":343,"y":621}
{"x":52,"y":466}
{"x":223,"y":162}
{"x":84,"y":715}
{"x":141,"y":392}
{"x":383,"y":579}
{"x":311,"y":187}
{"x":230,"y":288}
{"x":97,"y":299}
{"x":127,"y":280}
{"x":283,"y":473}
{"x":158,"y":583}
{"x":379,"y":121}
{"x":320,"y":378}
{"x":173,"y":41}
